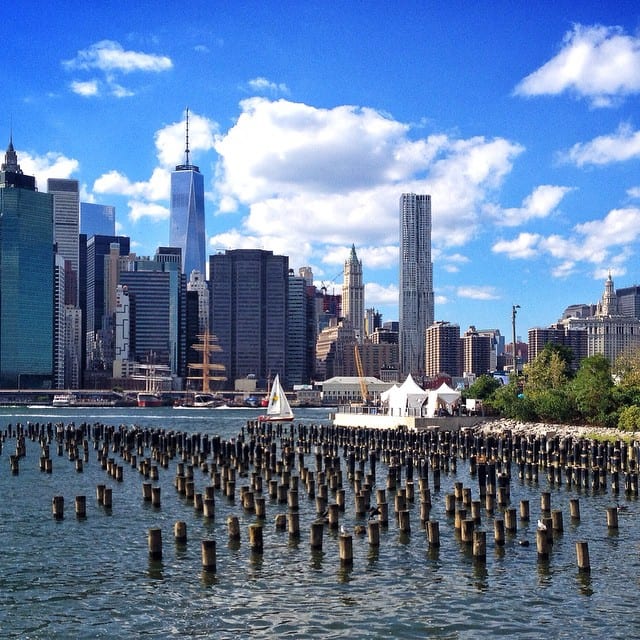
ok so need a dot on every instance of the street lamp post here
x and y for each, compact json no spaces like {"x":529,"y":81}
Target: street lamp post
{"x":513,"y":326}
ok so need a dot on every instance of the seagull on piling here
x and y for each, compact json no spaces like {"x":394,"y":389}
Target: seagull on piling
{"x":541,"y":526}
{"x":343,"y":531}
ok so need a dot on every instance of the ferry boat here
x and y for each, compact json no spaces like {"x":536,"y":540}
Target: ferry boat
{"x":63,"y":400}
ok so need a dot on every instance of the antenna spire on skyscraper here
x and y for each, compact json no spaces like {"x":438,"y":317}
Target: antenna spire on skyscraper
{"x":186,"y":150}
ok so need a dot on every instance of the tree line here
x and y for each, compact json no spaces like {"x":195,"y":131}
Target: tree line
{"x":599,"y":393}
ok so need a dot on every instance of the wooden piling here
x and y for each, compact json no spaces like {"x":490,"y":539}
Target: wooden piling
{"x":255,"y":538}
{"x":556,"y":521}
{"x":155,"y":543}
{"x":498,"y":531}
{"x":524,"y":510}
{"x":479,"y":545}
{"x":433,"y":533}
{"x":293,"y":524}
{"x":208,"y":548}
{"x":542,"y":544}
{"x":315,"y":535}
{"x":467,"y":527}
{"x":373,"y":532}
{"x":233,"y":528}
{"x":58,"y":507}
{"x":345,"y":548}
{"x":180,"y":532}
{"x":612,"y":517}
{"x":510,"y":521}
{"x":81,"y":506}
{"x":574,"y":508}
{"x":545,"y":501}
{"x":155,"y":497}
{"x":582,"y":556}
{"x":333,"y":514}
{"x":404,"y":521}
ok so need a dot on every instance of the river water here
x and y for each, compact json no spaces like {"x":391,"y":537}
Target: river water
{"x":92,"y":577}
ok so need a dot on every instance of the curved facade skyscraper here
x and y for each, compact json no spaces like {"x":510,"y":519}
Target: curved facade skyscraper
{"x":416,"y":281}
{"x":187,"y":229}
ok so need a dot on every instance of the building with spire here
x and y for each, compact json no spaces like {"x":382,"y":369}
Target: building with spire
{"x":353,"y":294}
{"x":26,"y":279}
{"x":416,"y":281}
{"x":608,"y":332}
{"x":186,"y":222}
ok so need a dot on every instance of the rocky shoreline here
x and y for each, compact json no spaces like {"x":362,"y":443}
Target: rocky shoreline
{"x":500,"y":425}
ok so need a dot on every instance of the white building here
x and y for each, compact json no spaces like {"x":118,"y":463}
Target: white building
{"x":198,"y":284}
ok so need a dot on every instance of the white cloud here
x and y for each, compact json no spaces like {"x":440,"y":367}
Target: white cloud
{"x":170,"y":140}
{"x":334,"y":175}
{"x":262,"y":85}
{"x":475,"y":292}
{"x":525,"y":245}
{"x":109,"y":56}
{"x":540,"y":203}
{"x":619,"y":147}
{"x":597,"y":62}
{"x":597,"y":242}
{"x":139,"y":210}
{"x":380,"y":295}
{"x":155,"y":189}
{"x":634,"y":192}
{"x":86,"y":89}
{"x":49,"y":165}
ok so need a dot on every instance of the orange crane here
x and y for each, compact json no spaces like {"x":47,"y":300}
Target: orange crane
{"x":364,"y":392}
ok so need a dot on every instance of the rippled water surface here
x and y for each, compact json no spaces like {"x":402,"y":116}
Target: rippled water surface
{"x":93,"y":578}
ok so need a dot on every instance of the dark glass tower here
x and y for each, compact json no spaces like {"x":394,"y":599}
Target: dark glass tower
{"x":26,"y":279}
{"x":249,"y":312}
{"x":187,"y":229}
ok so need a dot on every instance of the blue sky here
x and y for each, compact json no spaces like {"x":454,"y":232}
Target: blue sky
{"x":309,"y":119}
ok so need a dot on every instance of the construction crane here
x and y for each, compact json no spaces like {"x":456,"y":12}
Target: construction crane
{"x":364,"y":392}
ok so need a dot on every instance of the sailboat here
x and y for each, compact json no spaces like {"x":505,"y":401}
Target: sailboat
{"x":278,"y":409}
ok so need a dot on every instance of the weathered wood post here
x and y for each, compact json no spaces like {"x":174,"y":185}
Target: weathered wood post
{"x":154,"y":541}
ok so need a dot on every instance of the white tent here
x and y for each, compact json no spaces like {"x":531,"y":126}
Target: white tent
{"x":444,"y":396}
{"x":406,"y":399}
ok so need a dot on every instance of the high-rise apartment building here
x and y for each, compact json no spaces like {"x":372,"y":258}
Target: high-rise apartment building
{"x":186,"y":222}
{"x":443,"y":349}
{"x":353,"y":294}
{"x":198,"y":284}
{"x":416,"y":281}
{"x":97,"y":219}
{"x":476,"y":352}
{"x":26,"y":279}
{"x":66,"y":229}
{"x":249,"y":312}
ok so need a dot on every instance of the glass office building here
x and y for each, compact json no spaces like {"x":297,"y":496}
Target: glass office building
{"x":26,"y":280}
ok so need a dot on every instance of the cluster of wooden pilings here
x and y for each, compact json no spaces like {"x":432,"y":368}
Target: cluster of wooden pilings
{"x":273,"y":465}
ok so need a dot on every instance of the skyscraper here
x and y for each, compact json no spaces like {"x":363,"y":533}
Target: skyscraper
{"x":186,"y":225}
{"x":26,"y":279}
{"x":66,"y":229}
{"x":97,"y":219}
{"x":249,"y":312}
{"x":353,"y":293}
{"x":416,"y":281}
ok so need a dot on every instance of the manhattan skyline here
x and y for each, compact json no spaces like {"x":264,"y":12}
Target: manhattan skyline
{"x":308,"y":122}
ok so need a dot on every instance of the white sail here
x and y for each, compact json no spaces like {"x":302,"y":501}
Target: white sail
{"x":278,"y":404}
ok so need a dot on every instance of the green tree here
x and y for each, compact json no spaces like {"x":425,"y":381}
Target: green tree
{"x":507,"y":401}
{"x":629,"y":418}
{"x":554,"y":405}
{"x":483,"y":387}
{"x":593,"y":390}
{"x":551,"y":369}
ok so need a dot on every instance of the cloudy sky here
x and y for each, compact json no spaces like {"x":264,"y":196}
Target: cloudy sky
{"x":309,"y":119}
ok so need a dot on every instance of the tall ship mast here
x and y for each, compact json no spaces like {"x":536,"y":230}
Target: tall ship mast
{"x":209,"y":372}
